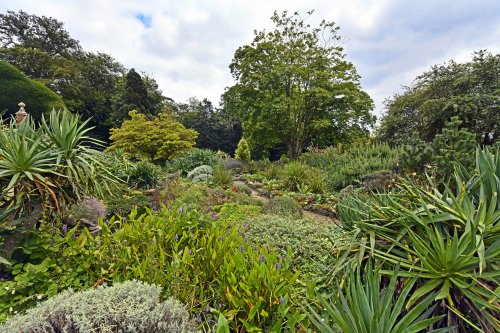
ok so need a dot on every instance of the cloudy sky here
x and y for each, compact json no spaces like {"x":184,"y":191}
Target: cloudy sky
{"x":187,"y":45}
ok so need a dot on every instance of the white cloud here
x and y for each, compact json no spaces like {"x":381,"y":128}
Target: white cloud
{"x":188,"y":45}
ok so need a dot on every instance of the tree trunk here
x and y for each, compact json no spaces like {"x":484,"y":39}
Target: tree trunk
{"x":294,"y":149}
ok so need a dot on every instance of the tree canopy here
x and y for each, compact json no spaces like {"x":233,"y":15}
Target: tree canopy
{"x":35,"y":32}
{"x":218,"y":130}
{"x":156,"y":139}
{"x":467,"y":90}
{"x":294,"y":87}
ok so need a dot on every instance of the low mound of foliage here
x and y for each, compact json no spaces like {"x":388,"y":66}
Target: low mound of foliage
{"x":129,"y":307}
{"x":309,"y":242}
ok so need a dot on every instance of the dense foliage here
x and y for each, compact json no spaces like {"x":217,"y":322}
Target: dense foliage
{"x":41,"y":48}
{"x":355,"y":235}
{"x":242,"y":152}
{"x":438,"y":157}
{"x":309,"y":242}
{"x":46,"y":168}
{"x":158,"y":139}
{"x":218,"y":129}
{"x":366,"y":306}
{"x":447,"y":240}
{"x":200,"y":261}
{"x":351,"y":165}
{"x":295,"y":87}
{"x":466,"y":90}
{"x":192,"y":158}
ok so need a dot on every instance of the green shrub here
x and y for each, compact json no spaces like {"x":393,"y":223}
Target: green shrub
{"x":315,"y":182}
{"x":191,"y":159}
{"x":243,"y":151}
{"x":416,"y":156}
{"x":201,"y":174}
{"x":294,"y":175}
{"x":199,"y":195}
{"x":222,"y":156}
{"x":284,"y":206}
{"x":450,"y":146}
{"x":453,"y":146}
{"x":16,"y":87}
{"x":221,"y":176}
{"x":310,"y":242}
{"x":193,"y":196}
{"x":145,"y":175}
{"x":132,"y":306}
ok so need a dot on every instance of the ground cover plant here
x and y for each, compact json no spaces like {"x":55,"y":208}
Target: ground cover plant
{"x":309,"y":243}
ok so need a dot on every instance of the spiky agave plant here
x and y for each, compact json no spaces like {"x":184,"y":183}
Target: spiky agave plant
{"x":368,"y":306}
{"x":25,"y":166}
{"x":49,"y":167}
{"x":448,"y":240}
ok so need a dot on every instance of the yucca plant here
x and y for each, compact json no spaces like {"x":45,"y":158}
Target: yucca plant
{"x":367,"y":306}
{"x":76,"y":153}
{"x":448,"y":240}
{"x":24,"y":165}
{"x":48,"y":167}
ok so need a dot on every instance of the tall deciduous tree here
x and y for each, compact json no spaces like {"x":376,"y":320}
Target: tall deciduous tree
{"x":468,"y":90}
{"x":295,"y":86}
{"x":156,"y":139}
{"x":36,"y":32}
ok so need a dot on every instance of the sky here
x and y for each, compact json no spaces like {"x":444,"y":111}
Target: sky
{"x":188,"y":45}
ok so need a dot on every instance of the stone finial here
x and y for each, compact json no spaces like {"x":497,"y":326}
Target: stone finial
{"x":21,"y":109}
{"x":21,"y":114}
